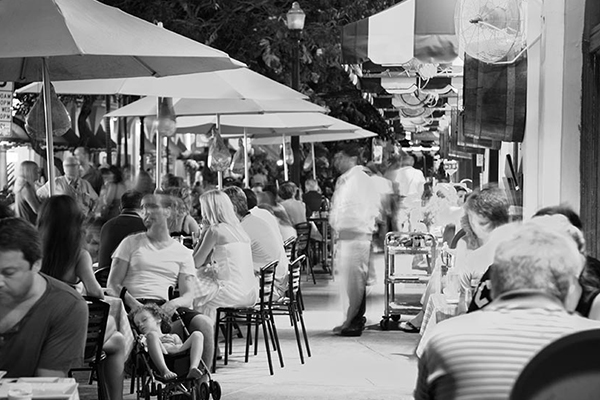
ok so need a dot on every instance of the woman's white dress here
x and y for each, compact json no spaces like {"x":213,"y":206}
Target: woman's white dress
{"x":229,"y":281}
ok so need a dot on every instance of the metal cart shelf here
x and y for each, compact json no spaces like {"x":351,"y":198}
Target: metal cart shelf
{"x":404,"y":243}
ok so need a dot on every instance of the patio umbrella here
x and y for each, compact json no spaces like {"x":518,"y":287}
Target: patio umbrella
{"x":241,"y":83}
{"x":147,"y":106}
{"x":339,"y":130}
{"x":85,"y":39}
{"x":255,"y":125}
{"x":217,"y":107}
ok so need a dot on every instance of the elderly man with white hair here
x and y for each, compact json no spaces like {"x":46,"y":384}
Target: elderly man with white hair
{"x":71,"y":184}
{"x":535,"y":286}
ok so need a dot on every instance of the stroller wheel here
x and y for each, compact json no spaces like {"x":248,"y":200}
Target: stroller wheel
{"x":203,"y":393}
{"x":215,"y":390}
{"x":384,"y":324}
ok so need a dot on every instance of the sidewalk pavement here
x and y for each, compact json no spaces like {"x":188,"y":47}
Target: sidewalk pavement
{"x":377,"y":365}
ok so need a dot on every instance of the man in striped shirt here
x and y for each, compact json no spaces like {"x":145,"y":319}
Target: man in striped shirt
{"x":535,"y":286}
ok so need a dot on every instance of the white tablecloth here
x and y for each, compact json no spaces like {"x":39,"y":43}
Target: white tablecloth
{"x":43,"y":388}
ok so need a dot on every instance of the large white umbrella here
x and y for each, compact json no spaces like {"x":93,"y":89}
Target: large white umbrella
{"x":85,"y":39}
{"x":227,"y":91}
{"x":338,"y":130}
{"x":277,"y":129}
{"x":241,"y":83}
{"x":147,"y":106}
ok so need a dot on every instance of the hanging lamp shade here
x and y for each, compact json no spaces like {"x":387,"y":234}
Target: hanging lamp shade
{"x":167,"y":120}
{"x":35,"y":121}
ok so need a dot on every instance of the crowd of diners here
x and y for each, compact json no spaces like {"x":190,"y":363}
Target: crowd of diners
{"x":532,"y":281}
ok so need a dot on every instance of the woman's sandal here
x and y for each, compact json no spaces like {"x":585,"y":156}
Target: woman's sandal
{"x":408,"y":327}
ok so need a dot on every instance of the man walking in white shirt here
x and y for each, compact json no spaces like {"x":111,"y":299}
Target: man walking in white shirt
{"x":355,"y":207}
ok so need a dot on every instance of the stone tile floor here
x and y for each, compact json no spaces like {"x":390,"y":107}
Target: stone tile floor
{"x":377,"y":365}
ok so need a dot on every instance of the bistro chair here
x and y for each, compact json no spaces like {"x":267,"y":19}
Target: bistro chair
{"x":568,"y":368}
{"x":101,"y":275}
{"x":94,"y":356}
{"x":256,"y":316}
{"x":289,"y":306}
{"x":302,"y":246}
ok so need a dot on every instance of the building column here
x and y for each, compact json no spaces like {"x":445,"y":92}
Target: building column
{"x":552,"y":136}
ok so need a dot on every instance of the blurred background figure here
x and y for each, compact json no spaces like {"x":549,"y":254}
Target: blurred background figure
{"x":110,"y":194}
{"x":27,"y":203}
{"x":144,"y":183}
{"x":295,"y":208}
{"x":312,"y":197}
{"x":266,"y":201}
{"x":354,"y":209}
{"x":121,"y":226}
{"x":88,"y":171}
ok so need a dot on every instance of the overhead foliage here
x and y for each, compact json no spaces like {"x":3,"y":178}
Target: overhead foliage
{"x":255,"y":32}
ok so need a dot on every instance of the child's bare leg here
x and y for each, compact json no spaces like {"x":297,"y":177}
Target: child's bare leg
{"x":156,"y":354}
{"x":195,"y":343}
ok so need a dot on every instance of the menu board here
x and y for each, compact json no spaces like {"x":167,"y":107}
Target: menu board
{"x":6,"y":95}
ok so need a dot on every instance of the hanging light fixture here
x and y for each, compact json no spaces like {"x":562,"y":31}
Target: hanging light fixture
{"x":35,"y":122}
{"x":167,"y":120}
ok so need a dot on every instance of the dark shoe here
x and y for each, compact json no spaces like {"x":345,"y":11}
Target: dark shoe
{"x":408,"y":327}
{"x":351,"y":332}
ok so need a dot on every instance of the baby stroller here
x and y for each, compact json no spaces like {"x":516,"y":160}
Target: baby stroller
{"x":151,"y":384}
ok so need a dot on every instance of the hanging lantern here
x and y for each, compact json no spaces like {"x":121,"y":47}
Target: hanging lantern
{"x":167,"y":120}
{"x":237,"y":162}
{"x":35,"y":122}
{"x":289,"y":154}
{"x":219,"y":157}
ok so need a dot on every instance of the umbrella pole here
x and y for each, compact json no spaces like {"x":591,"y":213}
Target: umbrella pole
{"x":246,"y":161}
{"x":285,"y":164}
{"x":312,"y":151}
{"x":48,"y":115}
{"x":158,"y":157}
{"x":219,"y":173}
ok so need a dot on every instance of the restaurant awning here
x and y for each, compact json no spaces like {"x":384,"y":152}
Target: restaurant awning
{"x":421,"y":29}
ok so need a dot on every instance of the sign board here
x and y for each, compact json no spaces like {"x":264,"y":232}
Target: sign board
{"x":6,"y":94}
{"x":480,"y":160}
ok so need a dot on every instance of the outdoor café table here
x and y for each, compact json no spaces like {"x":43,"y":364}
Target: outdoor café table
{"x":43,"y":388}
{"x":118,"y":313}
{"x":438,"y":309}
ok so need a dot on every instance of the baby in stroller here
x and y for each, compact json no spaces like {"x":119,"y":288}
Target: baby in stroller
{"x":149,"y":319}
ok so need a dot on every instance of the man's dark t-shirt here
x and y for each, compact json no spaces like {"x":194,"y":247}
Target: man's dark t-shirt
{"x":50,"y":336}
